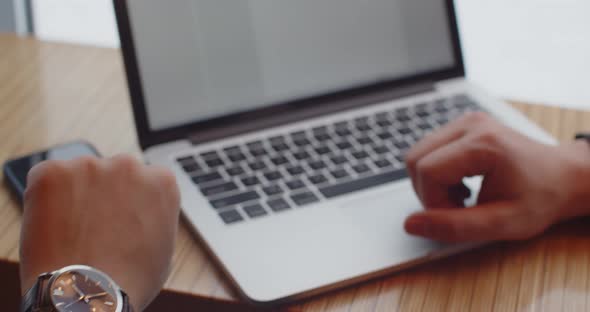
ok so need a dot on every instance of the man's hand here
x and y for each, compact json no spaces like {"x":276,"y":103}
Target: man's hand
{"x":115,"y":214}
{"x":527,"y":186}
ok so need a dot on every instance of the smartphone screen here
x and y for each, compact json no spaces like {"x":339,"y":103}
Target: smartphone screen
{"x":16,"y":170}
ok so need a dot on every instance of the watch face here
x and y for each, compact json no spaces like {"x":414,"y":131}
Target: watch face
{"x":84,"y":290}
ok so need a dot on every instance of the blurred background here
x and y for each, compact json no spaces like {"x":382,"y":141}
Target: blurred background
{"x":535,"y":51}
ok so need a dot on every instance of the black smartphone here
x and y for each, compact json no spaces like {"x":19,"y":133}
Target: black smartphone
{"x":16,"y":170}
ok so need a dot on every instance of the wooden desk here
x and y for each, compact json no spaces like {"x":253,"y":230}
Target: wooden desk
{"x":55,"y":93}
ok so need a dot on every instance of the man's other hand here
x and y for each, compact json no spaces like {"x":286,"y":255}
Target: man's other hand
{"x":527,"y":186}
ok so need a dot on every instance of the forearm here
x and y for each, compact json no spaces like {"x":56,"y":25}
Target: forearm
{"x":577,"y":163}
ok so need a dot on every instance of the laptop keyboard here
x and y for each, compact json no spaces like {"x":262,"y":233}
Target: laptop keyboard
{"x":293,"y":170}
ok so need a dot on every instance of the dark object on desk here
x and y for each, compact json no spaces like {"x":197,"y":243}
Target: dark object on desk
{"x":16,"y":170}
{"x":583,"y":136}
{"x":166,"y":300}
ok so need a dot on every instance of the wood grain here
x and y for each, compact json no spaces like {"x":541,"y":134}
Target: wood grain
{"x":55,"y":93}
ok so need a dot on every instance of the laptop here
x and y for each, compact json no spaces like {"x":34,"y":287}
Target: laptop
{"x":286,"y":124}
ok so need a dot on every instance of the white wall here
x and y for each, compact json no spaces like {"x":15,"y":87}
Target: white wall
{"x":531,"y":50}
{"x":81,"y":21}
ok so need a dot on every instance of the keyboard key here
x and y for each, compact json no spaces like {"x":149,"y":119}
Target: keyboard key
{"x":364,"y":140}
{"x":250,"y":181}
{"x":278,"y":205}
{"x":385,"y":135}
{"x":381,"y":149}
{"x":361,"y":168}
{"x":301,"y":142}
{"x":323,"y":137}
{"x":231,"y":216}
{"x":402,"y":146}
{"x":362,"y":184}
{"x":339,"y":174}
{"x":318,"y":179}
{"x":384,"y":123}
{"x":214,"y":162}
{"x":280,"y":147}
{"x":296,"y":170}
{"x":359,"y":155}
{"x":295,"y":185}
{"x":305,"y":198}
{"x":256,"y":148}
{"x":232,"y":150}
{"x":319,"y":130}
{"x":382,"y":116}
{"x":298,"y":135}
{"x":363,"y":127}
{"x":234,"y":199}
{"x":317,"y":165}
{"x":344,"y":145}
{"x":441,"y":109}
{"x":422,"y":114}
{"x":343,"y":132}
{"x":272,"y":190}
{"x":322,"y":150}
{"x":206,"y":178}
{"x":257,"y":165}
{"x":403,"y":118}
{"x":421,"y":106}
{"x":338,"y":160}
{"x":425,"y":126}
{"x":401,"y":111}
{"x":442,"y":120}
{"x":404,"y":130}
{"x":187,"y":159}
{"x":341,"y":125}
{"x":255,"y":211}
{"x":191,"y":167}
{"x":235,"y":171}
{"x":209,"y":155}
{"x":237,"y":157}
{"x":301,"y":155}
{"x":258,"y":152}
{"x":219,"y":189}
{"x":361,"y":120}
{"x":273,"y":176}
{"x":277,"y":140}
{"x":382,"y":163}
{"x":279,"y":160}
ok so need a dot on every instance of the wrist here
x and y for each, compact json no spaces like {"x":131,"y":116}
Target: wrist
{"x":578,"y":177}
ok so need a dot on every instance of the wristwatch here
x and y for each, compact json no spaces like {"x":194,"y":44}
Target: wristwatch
{"x":75,"y":288}
{"x":583,"y":136}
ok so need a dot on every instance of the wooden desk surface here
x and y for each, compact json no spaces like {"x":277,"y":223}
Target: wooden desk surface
{"x":55,"y":93}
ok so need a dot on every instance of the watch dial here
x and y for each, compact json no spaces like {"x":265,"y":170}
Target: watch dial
{"x":83,"y":291}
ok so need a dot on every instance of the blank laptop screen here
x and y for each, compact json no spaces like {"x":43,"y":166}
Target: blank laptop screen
{"x":201,"y":59}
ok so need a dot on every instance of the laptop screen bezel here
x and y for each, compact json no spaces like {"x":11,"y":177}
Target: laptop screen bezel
{"x":149,"y":137}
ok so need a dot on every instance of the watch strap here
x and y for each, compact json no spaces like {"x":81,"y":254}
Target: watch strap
{"x":36,"y":297}
{"x":126,"y":305}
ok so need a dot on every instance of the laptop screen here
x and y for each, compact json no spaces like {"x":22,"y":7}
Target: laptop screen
{"x":202,"y":59}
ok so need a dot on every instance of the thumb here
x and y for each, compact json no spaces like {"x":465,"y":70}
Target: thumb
{"x":483,"y":223}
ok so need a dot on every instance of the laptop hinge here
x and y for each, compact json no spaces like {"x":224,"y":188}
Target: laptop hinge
{"x":298,"y":112}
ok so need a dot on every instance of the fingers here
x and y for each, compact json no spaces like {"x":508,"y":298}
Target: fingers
{"x":444,"y":136}
{"x":484,"y":223}
{"x":441,"y":172}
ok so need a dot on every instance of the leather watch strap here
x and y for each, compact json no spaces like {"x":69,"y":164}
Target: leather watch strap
{"x":583,"y":136}
{"x":34,"y":299}
{"x":126,"y":305}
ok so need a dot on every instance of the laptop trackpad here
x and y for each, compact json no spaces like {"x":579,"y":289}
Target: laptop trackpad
{"x":380,"y":216}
